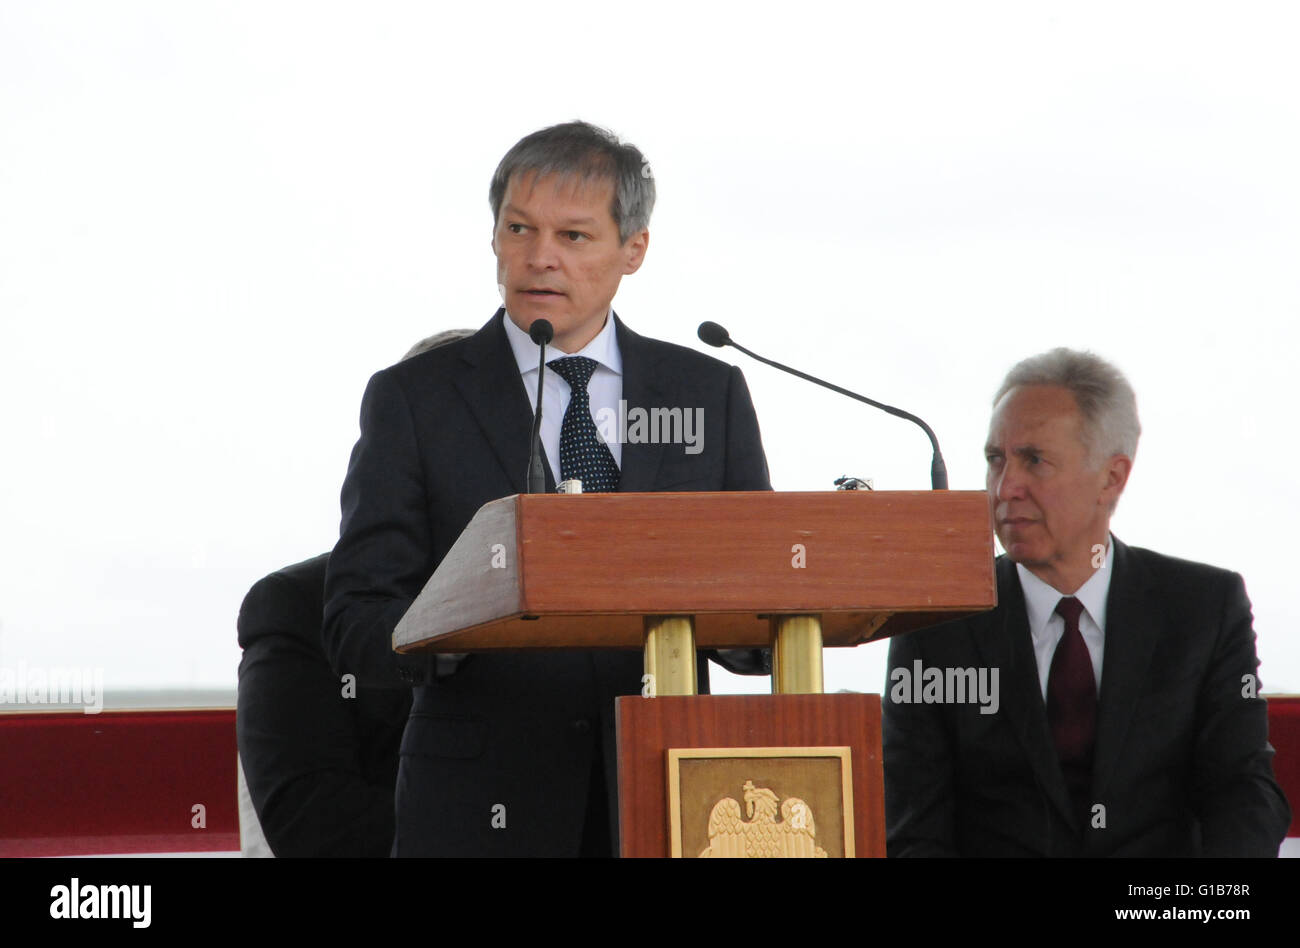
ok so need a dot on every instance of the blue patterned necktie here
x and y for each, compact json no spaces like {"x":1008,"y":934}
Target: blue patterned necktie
{"x":582,"y":454}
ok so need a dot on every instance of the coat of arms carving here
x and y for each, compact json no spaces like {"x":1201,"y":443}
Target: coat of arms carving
{"x":760,"y":835}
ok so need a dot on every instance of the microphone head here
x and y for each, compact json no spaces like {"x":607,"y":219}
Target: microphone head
{"x":713,"y":334}
{"x":541,"y":331}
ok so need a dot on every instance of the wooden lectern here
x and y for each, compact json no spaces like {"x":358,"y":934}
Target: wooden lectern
{"x":683,"y":571}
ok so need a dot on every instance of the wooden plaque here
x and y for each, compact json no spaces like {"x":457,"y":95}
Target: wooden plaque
{"x":648,"y":728}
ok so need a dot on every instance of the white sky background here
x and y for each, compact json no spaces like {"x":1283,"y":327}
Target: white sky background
{"x":218,"y":219}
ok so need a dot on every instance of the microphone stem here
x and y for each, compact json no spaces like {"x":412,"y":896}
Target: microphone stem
{"x":536,"y":474}
{"x":938,"y":470}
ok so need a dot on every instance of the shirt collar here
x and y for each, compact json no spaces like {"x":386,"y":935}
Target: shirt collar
{"x":1041,"y":598}
{"x":603,"y":349}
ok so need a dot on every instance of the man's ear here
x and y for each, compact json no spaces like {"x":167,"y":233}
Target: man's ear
{"x":634,"y":251}
{"x":1116,"y":472}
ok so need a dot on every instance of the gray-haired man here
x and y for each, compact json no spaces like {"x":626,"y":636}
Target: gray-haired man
{"x":1129,"y":722}
{"x":513,"y":754}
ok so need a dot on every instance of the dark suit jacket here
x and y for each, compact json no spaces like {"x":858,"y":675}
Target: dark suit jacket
{"x":1182,"y":763}
{"x":510,"y":737}
{"x":321,"y":767}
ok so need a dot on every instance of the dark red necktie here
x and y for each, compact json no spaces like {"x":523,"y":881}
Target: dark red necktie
{"x":1072,"y":706}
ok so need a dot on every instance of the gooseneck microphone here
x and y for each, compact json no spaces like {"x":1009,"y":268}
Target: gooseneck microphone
{"x":541,"y":332}
{"x":715,"y":335}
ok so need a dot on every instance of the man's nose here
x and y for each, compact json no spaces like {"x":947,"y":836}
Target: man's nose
{"x":544,"y":253}
{"x":1009,"y":483}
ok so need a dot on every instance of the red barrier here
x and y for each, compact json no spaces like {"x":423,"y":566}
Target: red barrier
{"x":129,"y":781}
{"x":118,"y":782}
{"x":1284,"y":735}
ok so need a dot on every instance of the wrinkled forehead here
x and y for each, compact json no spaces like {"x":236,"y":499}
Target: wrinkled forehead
{"x":551,"y":189}
{"x":1036,"y":412}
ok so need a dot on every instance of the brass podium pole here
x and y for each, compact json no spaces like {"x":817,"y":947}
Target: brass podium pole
{"x":670,"y":655}
{"x":796,"y":655}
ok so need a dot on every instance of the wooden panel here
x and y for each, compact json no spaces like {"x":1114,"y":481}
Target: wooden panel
{"x":647,"y":727}
{"x":477,"y":583}
{"x":731,"y":630}
{"x":727,"y":552}
{"x":727,"y":558}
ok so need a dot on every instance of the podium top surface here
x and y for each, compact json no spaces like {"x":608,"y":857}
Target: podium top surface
{"x":581,"y":570}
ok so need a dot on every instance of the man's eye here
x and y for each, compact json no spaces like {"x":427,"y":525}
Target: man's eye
{"x":515,"y":228}
{"x":1033,"y":459}
{"x":575,"y":236}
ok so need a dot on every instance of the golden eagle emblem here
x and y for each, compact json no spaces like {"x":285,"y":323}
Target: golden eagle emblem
{"x":761,"y":836}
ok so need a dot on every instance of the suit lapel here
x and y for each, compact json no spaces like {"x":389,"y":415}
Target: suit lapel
{"x":1133,"y":626}
{"x":494,"y":390}
{"x":644,"y":386}
{"x":1005,"y":643}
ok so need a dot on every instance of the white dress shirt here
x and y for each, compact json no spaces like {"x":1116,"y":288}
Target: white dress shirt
{"x":604,"y":390}
{"x":1046,"y":627}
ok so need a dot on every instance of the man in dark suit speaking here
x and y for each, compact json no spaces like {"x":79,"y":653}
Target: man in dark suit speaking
{"x":1129,"y":721}
{"x":513,"y":753}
